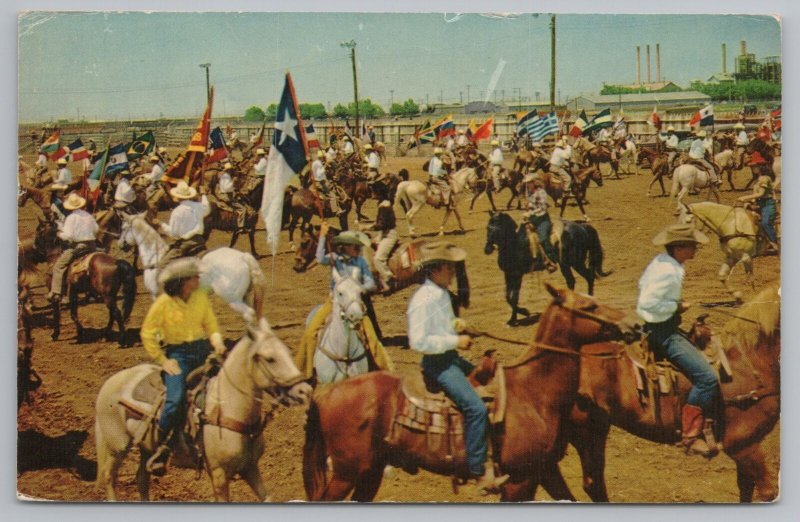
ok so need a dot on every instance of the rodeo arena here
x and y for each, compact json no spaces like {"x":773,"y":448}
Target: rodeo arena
{"x":565,"y":302}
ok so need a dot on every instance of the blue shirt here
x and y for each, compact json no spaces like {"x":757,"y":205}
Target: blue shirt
{"x":660,"y":289}
{"x":346,"y":266}
{"x":430,"y":320}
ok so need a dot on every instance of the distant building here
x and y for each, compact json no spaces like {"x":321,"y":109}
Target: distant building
{"x":664,"y":86}
{"x":720,"y":78}
{"x":645,"y":100}
{"x":479,"y":107}
{"x":748,"y":68}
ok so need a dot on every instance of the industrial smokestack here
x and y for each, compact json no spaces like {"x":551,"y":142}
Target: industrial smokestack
{"x":658,"y":62}
{"x":724,"y":60}
{"x":742,"y":48}
{"x":648,"y":63}
{"x":638,"y":65}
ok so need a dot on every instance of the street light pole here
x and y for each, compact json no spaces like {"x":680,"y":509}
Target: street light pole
{"x":552,"y":62}
{"x":207,"y":66}
{"x":352,"y":46}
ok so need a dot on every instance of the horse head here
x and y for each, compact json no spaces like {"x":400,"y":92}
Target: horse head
{"x":347,"y":299}
{"x":46,"y":235}
{"x":305,"y":253}
{"x":499,"y":230}
{"x":127,"y":238}
{"x":596,"y":176}
{"x":581,"y":319}
{"x":271,"y":367}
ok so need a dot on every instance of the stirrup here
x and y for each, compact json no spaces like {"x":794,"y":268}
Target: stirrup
{"x":157,"y":463}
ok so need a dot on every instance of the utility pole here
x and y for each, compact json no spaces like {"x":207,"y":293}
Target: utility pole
{"x":441,"y":96}
{"x":461,"y":97}
{"x":467,"y":93}
{"x":207,"y":66}
{"x":352,"y":46}
{"x":552,"y":62}
{"x":391,"y":101}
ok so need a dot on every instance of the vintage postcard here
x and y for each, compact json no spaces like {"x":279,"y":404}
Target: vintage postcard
{"x":399,"y":257}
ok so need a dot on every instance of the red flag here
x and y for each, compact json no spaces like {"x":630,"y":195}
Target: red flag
{"x":188,"y":166}
{"x":199,"y":140}
{"x":60,"y":153}
{"x":483,"y":132}
{"x":654,"y":120}
{"x":775,"y":117}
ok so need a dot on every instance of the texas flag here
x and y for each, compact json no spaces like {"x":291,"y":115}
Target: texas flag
{"x":703,"y":117}
{"x":216,"y":149}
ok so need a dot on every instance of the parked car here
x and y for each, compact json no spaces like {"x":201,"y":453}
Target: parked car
{"x":749,"y":110}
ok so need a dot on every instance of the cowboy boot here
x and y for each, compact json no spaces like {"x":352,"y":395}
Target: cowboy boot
{"x":489,"y":483}
{"x":157,"y":463}
{"x":693,"y":422}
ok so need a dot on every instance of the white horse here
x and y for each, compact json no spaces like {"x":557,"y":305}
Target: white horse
{"x":340,"y":349}
{"x":412,"y":196}
{"x":232,"y":431}
{"x":630,"y":155}
{"x":688,"y":177}
{"x":230,"y":273}
{"x":726,"y":161}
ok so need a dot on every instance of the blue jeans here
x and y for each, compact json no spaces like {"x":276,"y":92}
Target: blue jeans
{"x":768,"y":219}
{"x":189,"y":356}
{"x":543,"y":227}
{"x":449,"y":370}
{"x":666,"y":341}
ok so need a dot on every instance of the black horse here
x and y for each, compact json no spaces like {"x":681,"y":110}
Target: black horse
{"x":580,"y":249}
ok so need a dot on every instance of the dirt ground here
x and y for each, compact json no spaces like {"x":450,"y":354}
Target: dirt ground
{"x":56,"y":453}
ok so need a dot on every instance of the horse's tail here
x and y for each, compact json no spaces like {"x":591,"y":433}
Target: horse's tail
{"x":315,"y":475}
{"x":595,"y":252}
{"x":258,"y":283}
{"x":676,"y":182}
{"x":401,"y":198}
{"x":127,"y":278}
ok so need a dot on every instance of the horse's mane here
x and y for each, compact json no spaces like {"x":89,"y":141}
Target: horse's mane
{"x":140,"y":225}
{"x":762,"y":315}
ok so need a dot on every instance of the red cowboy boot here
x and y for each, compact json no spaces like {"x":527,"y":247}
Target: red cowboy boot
{"x":693,"y":423}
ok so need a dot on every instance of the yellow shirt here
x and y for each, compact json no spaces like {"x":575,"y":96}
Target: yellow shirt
{"x":172,"y":320}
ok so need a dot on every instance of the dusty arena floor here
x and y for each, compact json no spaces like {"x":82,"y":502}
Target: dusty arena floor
{"x":56,"y":432}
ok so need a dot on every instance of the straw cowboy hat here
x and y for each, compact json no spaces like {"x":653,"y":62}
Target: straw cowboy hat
{"x":183,"y":191}
{"x":57,"y":186}
{"x":183,"y":267}
{"x":74,"y":201}
{"x":701,"y":134}
{"x":670,"y":129}
{"x":494,"y":143}
{"x":368,"y":146}
{"x":351,"y":237}
{"x":320,"y":154}
{"x":560,"y":143}
{"x":154,"y":158}
{"x":260,"y":151}
{"x":61,"y":161}
{"x":537,"y":144}
{"x":438,"y":150}
{"x":441,"y":251}
{"x":739,"y":126}
{"x":162,"y":150}
{"x":228,"y":166}
{"x":680,"y":233}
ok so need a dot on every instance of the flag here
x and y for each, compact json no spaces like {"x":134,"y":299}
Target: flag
{"x":188,"y":166}
{"x":522,"y":120}
{"x":311,"y":137}
{"x":98,"y":172}
{"x":425,"y":133}
{"x":51,"y":144}
{"x":580,"y":123}
{"x":141,"y":146}
{"x":600,"y":120}
{"x":775,"y":118}
{"x":77,"y":151}
{"x":363,"y":128}
{"x":287,"y":157}
{"x":540,"y":127}
{"x":199,"y":141}
{"x":620,"y":130}
{"x":60,"y":153}
{"x":703,"y":117}
{"x":217,"y":151}
{"x":117,"y":159}
{"x":445,"y":127}
{"x":259,"y":138}
{"x":484,"y":131}
{"x":654,"y":120}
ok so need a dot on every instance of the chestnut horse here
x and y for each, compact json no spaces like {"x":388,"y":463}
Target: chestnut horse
{"x":348,"y":421}
{"x":607,"y":395}
{"x":578,"y":188}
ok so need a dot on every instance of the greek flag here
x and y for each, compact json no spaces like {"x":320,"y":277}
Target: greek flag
{"x":540,"y":127}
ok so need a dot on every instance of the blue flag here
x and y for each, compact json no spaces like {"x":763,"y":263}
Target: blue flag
{"x":540,"y":127}
{"x":117,"y":159}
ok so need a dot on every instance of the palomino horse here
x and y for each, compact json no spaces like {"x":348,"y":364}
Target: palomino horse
{"x":232,"y":419}
{"x":412,"y":196}
{"x":340,"y":350}
{"x":105,"y":277}
{"x":349,"y":421}
{"x":687,"y":177}
{"x":751,"y":400}
{"x":740,"y":238}
{"x":579,"y":244}
{"x":231,"y":274}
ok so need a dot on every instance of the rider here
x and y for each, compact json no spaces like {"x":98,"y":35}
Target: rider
{"x":496,"y":161}
{"x":347,"y":147}
{"x":226,"y":194}
{"x":64,"y":175}
{"x":437,"y":175}
{"x":540,"y":219}
{"x":261,"y":163}
{"x":671,"y":145}
{"x":386,"y":224}
{"x":559,"y":164}
{"x":660,"y":306}
{"x":697,"y":152}
{"x":321,"y":183}
{"x":763,"y":196}
{"x":742,"y":141}
{"x":431,"y":331}
{"x":462,"y":140}
{"x":183,"y":321}
{"x":78,"y":232}
{"x":124,"y":195}
{"x":185,"y":223}
{"x":155,"y":175}
{"x":373,"y":164}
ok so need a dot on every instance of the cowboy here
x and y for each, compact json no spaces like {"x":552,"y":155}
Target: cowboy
{"x":347,"y":148}
{"x":261,"y":163}
{"x":330,"y":153}
{"x":539,"y":218}
{"x":697,"y":152}
{"x":163,"y":155}
{"x":559,"y":163}
{"x":41,"y":160}
{"x":431,"y":331}
{"x":371,"y":135}
{"x":156,"y":170}
{"x":764,"y":197}
{"x":671,"y":145}
{"x":386,"y":225}
{"x":373,"y":164}
{"x":461,"y":139}
{"x":78,"y":233}
{"x":742,"y":141}
{"x":660,"y":306}
{"x":183,"y":321}
{"x":226,"y":195}
{"x":124,"y":195}
{"x":437,"y":175}
{"x":321,"y":183}
{"x":64,"y":175}
{"x":496,"y":161}
{"x":185,"y":225}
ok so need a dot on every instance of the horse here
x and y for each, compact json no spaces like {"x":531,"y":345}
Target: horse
{"x":231,"y":274}
{"x":486,"y":186}
{"x":629,"y":153}
{"x":42,"y":197}
{"x":340,"y":352}
{"x":412,"y":196}
{"x":578,"y":188}
{"x":594,"y":155}
{"x":688,"y":177}
{"x":350,"y":420}
{"x":228,"y":221}
{"x":232,"y":421}
{"x":740,"y":238}
{"x":659,"y":166}
{"x":105,"y":277}
{"x":750,"y":409}
{"x":579,"y":243}
{"x":725,"y":161}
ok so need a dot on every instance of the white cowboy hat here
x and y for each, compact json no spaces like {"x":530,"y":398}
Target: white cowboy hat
{"x":739,"y":126}
{"x":182,"y":267}
{"x":368,"y":146}
{"x":438,"y":150}
{"x":320,"y":154}
{"x":439,"y":251}
{"x":228,"y":166}
{"x":61,"y":161}
{"x":532,"y":176}
{"x":680,"y":233}
{"x":346,"y":137}
{"x":154,"y":158}
{"x":701,"y":134}
{"x":560,"y":143}
{"x":74,"y":201}
{"x":670,"y":129}
{"x":183,"y":191}
{"x":261,"y":151}
{"x":537,"y":144}
{"x":57,"y":186}
{"x":494,"y":142}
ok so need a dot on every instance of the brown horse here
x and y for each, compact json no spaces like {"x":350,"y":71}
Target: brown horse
{"x":349,"y":421}
{"x":304,"y":204}
{"x":104,"y":278}
{"x":42,"y":197}
{"x":578,"y":188}
{"x":228,"y":221}
{"x":659,"y":166}
{"x":594,"y":155}
{"x":608,"y":395}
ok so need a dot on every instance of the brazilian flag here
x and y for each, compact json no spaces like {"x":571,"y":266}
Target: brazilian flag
{"x":142,"y":145}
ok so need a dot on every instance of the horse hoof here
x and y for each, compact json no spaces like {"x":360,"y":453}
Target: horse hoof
{"x":523,"y":311}
{"x":54,"y":337}
{"x":512,"y":322}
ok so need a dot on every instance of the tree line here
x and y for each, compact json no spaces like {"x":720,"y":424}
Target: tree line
{"x":315,"y":111}
{"x":723,"y":91}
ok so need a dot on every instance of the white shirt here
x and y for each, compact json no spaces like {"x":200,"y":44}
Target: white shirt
{"x":373,"y":160}
{"x":348,"y":147}
{"x":603,"y":135}
{"x":124,"y":192}
{"x":41,"y":161}
{"x":318,"y":169}
{"x":78,"y":227}
{"x":742,"y":140}
{"x":461,"y":141}
{"x":225,"y":184}
{"x":330,"y":154}
{"x":261,"y":167}
{"x":430,"y":320}
{"x":560,"y":157}
{"x":450,"y":143}
{"x":156,"y":173}
{"x":708,"y":144}
{"x":64,"y":176}
{"x":672,"y":142}
{"x":186,"y":219}
{"x":697,"y":150}
{"x":435,"y":168}
{"x":496,"y":156}
{"x":660,"y":289}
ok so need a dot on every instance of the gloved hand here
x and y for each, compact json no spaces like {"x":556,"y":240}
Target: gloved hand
{"x":219,"y":345}
{"x":460,"y":325}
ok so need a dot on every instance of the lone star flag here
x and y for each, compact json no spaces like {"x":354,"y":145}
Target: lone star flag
{"x":287,"y":157}
{"x":703,"y":117}
{"x":216,"y":150}
{"x":654,"y":120}
{"x":580,"y":123}
{"x":141,"y":146}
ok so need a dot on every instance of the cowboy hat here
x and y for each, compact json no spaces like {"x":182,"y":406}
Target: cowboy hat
{"x":320,"y":154}
{"x":441,"y":251}
{"x":57,"y":186}
{"x":368,"y":147}
{"x":183,"y":267}
{"x":494,"y":142}
{"x":680,"y":233}
{"x":183,"y":191}
{"x":61,"y":161}
{"x":739,"y":126}
{"x":74,"y":201}
{"x":670,"y":129}
{"x":537,"y":144}
{"x":261,"y":151}
{"x":125,"y":172}
{"x":154,"y":158}
{"x":227,"y":166}
{"x":351,"y":237}
{"x":346,"y":137}
{"x":532,"y":176}
{"x":560,"y":143}
{"x":162,"y":150}
{"x":438,"y":150}
{"x":701,"y":134}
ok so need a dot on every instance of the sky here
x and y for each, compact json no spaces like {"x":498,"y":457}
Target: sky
{"x":120,"y":65}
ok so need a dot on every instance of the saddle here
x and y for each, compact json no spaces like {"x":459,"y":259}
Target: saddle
{"x":80,"y":266}
{"x":537,"y":250}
